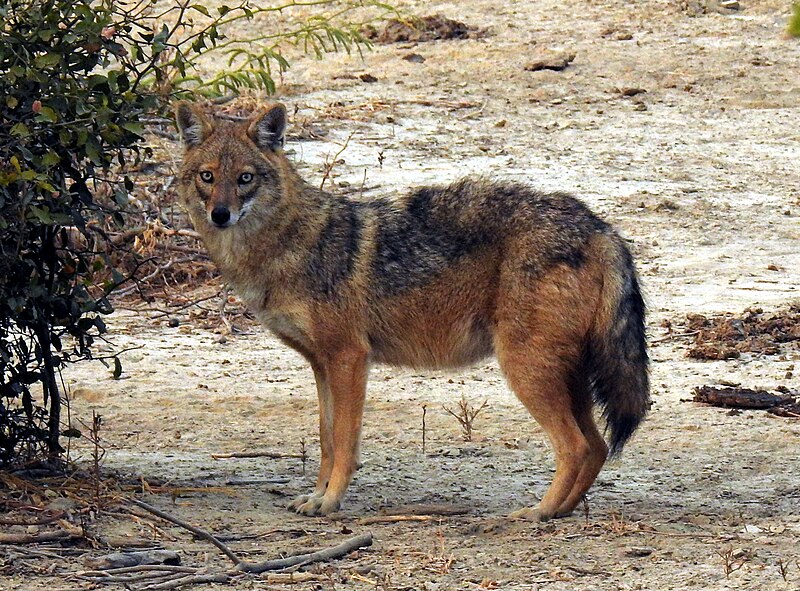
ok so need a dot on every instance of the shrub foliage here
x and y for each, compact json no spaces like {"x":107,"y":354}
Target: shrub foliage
{"x":77,"y":78}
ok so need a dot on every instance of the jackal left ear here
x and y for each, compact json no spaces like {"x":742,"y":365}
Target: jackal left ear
{"x":267,"y":127}
{"x":193,"y":124}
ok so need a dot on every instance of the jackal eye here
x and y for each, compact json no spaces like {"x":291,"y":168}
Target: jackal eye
{"x":245,"y":178}
{"x":207,"y":176}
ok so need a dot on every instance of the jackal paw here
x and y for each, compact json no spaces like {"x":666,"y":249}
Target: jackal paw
{"x":314,"y":505}
{"x":530,"y":514}
{"x":302,"y":500}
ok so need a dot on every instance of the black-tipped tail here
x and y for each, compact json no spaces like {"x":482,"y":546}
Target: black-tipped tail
{"x":616,"y":354}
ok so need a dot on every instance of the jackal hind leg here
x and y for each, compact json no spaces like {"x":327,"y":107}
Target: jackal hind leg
{"x":538,"y":369}
{"x":346,"y":378}
{"x":598,"y":451}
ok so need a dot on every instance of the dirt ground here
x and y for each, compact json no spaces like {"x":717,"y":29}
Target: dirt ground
{"x":676,"y":121}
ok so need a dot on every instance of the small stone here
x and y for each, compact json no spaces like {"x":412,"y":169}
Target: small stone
{"x":730,"y":4}
{"x":414,"y":58}
{"x":173,"y":322}
{"x":639,"y":551}
{"x":555,"y":61}
{"x":222,"y":339}
{"x":639,"y":106}
{"x":368,"y":78}
{"x":631,"y":90}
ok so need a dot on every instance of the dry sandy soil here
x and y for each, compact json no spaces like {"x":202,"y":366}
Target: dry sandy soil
{"x":700,"y":171}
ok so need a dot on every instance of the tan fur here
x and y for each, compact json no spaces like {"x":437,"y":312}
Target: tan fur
{"x":439,"y":278}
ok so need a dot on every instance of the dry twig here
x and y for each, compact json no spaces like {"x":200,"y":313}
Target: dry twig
{"x":196,"y":531}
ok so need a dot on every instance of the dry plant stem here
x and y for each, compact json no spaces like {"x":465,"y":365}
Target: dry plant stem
{"x":424,"y":430}
{"x":466,"y":416}
{"x":198,"y":532}
{"x":223,"y":301}
{"x":332,"y":163}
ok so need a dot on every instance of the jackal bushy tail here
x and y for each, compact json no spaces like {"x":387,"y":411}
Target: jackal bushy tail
{"x":615,"y":356}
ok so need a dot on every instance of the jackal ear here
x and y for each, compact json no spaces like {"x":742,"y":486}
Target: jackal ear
{"x":266,"y":127}
{"x":193,"y":124}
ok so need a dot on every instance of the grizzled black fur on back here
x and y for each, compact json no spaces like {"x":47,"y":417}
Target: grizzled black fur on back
{"x":421,"y":235}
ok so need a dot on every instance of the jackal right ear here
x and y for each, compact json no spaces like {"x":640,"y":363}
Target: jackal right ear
{"x":193,"y":124}
{"x":267,"y":127}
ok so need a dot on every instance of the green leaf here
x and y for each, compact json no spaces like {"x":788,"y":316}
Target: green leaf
{"x":136,"y":128}
{"x":11,"y":102}
{"x":47,"y":60}
{"x":41,"y":213}
{"x":47,"y":114}
{"x":20,"y":130}
{"x":50,"y":159}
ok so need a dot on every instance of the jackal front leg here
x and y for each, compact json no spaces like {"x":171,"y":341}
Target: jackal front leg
{"x":346,"y":374}
{"x":325,"y":437}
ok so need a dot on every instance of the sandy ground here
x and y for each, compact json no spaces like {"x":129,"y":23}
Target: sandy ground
{"x":700,"y":171}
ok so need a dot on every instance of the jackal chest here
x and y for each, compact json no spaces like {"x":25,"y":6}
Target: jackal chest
{"x":284,"y":319}
{"x":287,"y":327}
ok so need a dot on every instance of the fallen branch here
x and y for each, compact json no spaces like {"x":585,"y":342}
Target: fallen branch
{"x":362,"y":541}
{"x":47,"y":536}
{"x":396,"y":518}
{"x":182,"y":581}
{"x":256,"y":454}
{"x":428,"y":509}
{"x":196,"y":531}
{"x":123,"y":237}
{"x":138,"y":282}
{"x":40,"y":521}
{"x":134,"y":559}
{"x":745,"y":398}
{"x":188,"y":305}
{"x":174,"y":577}
{"x":141,"y":568}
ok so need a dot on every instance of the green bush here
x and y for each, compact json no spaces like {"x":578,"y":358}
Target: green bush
{"x":77,"y":79}
{"x":794,"y":21}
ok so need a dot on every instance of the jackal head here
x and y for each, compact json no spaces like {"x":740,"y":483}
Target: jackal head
{"x":229,"y":165}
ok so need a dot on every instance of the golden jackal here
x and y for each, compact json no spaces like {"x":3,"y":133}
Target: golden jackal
{"x":441,"y":277}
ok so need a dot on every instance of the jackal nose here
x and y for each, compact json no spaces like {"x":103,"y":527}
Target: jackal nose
{"x":220,"y":215}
